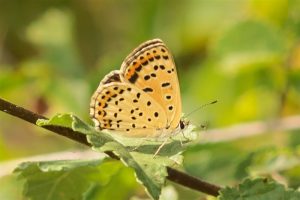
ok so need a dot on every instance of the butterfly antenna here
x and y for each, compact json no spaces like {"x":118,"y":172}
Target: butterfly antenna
{"x":204,"y":105}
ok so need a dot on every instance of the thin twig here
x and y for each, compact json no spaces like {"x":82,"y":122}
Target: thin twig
{"x":251,"y":129}
{"x":173,"y":174}
{"x":192,"y":182}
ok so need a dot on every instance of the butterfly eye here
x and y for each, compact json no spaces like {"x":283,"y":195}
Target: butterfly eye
{"x":182,"y":125}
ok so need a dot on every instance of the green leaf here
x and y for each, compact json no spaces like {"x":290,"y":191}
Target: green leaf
{"x":135,"y":153}
{"x":269,"y":160}
{"x":258,"y":189}
{"x":76,"y":179}
{"x":69,"y":120}
{"x":113,"y":173}
{"x":64,"y":120}
{"x":58,"y":179}
{"x":10,"y":187}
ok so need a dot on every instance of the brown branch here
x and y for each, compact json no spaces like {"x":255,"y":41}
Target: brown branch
{"x":173,"y":174}
{"x":192,"y":182}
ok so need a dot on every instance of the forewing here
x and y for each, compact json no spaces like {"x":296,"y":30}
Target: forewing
{"x":151,"y":68}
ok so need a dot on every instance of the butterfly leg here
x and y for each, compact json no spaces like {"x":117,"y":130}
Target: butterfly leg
{"x":160,"y":147}
{"x":180,"y":140}
{"x":186,"y":139}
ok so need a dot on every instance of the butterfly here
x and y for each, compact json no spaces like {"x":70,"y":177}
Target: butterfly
{"x":142,"y":99}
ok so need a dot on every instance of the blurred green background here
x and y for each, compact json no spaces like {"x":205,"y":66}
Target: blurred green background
{"x":245,"y":54}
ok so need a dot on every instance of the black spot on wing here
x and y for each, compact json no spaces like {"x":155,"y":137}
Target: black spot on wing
{"x":147,"y":77}
{"x":165,"y":84}
{"x":133,"y":78}
{"x":145,"y":62}
{"x":147,"y":89}
{"x":138,"y":68}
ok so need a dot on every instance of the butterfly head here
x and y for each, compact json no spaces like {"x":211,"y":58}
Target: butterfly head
{"x":183,"y":123}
